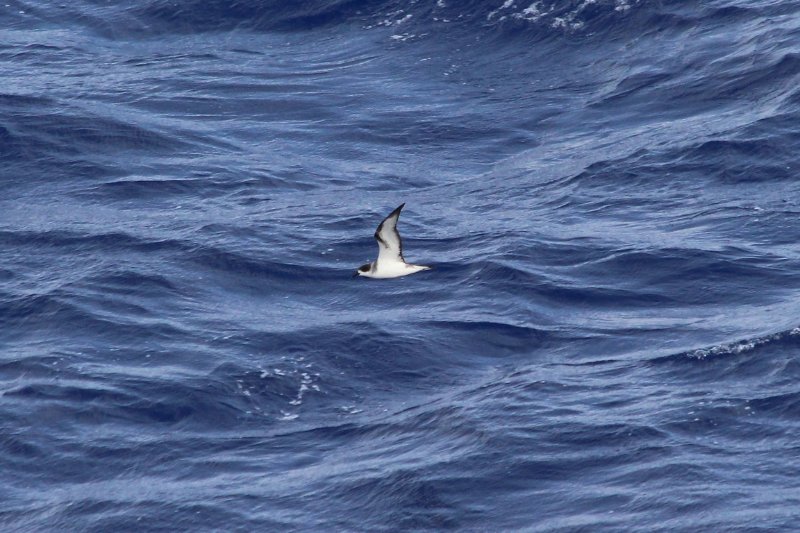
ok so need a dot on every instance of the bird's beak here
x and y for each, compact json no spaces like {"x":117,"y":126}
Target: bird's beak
{"x":355,"y":274}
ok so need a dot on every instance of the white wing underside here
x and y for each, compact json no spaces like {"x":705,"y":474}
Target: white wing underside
{"x":390,"y":246}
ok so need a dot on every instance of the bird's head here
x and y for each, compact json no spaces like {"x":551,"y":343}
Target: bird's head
{"x":363,"y":270}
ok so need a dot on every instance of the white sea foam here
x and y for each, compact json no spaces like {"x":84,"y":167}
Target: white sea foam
{"x":738,"y":347}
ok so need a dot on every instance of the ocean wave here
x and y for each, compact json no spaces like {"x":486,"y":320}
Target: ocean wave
{"x":226,"y":397}
{"x":77,"y":240}
{"x":783,"y":338}
{"x":114,"y":320}
{"x":51,"y":130}
{"x":534,"y":17}
{"x":747,"y":358}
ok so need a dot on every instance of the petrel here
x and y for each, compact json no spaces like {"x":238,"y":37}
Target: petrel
{"x":390,"y":262}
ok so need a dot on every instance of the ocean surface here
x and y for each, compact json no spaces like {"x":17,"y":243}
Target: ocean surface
{"x":609,"y":191}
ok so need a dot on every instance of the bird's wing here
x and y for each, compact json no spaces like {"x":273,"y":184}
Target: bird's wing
{"x":390,"y":246}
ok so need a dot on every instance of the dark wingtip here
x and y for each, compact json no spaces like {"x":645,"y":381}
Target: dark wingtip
{"x":395,"y":212}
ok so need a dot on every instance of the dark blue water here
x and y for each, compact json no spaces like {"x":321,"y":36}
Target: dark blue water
{"x":609,"y":191}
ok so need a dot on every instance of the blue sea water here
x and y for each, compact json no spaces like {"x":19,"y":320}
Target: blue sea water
{"x":608,"y":189}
